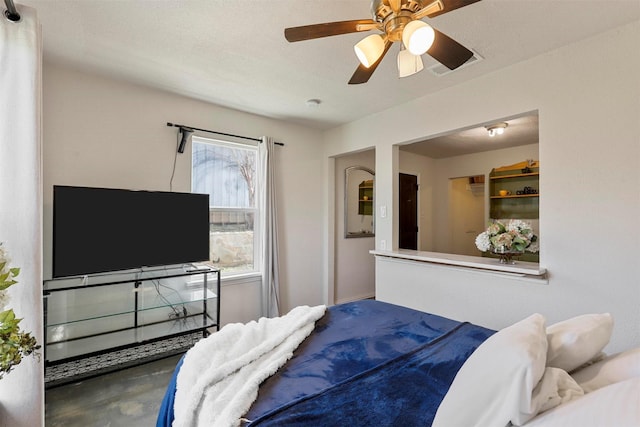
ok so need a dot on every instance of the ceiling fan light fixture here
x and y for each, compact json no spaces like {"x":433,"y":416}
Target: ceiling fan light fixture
{"x":497,"y":129}
{"x":408,"y":64}
{"x":369,"y":49}
{"x":418,"y":37}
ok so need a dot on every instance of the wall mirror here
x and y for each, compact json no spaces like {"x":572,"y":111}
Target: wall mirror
{"x":359,"y":204}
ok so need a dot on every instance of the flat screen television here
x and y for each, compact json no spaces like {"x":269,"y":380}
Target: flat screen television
{"x":98,"y":230}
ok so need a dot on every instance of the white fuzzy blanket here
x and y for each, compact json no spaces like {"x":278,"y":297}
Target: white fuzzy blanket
{"x":220,"y":375}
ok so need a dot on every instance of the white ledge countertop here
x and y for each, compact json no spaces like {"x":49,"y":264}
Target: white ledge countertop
{"x":483,"y":263}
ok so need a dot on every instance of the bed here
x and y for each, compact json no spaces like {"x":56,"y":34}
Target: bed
{"x":373,"y":363}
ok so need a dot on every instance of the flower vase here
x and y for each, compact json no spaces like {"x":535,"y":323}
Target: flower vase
{"x":507,"y":256}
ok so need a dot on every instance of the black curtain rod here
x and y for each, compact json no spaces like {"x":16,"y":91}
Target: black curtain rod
{"x":219,"y":133}
{"x":11,"y":13}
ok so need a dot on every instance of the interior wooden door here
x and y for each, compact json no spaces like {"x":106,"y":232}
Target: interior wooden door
{"x":466,"y":217}
{"x":408,"y":211}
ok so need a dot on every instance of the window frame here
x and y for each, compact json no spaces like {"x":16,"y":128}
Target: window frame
{"x":257,"y":214}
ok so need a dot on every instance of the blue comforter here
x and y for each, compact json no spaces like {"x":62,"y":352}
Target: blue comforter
{"x":366,"y":363}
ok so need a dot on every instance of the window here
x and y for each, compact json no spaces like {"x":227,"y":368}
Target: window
{"x":227,"y":172}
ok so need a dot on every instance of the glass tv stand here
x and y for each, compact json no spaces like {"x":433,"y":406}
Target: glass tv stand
{"x":100,"y":323}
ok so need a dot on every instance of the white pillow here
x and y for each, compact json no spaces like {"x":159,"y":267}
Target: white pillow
{"x":578,"y":340}
{"x":615,"y":368}
{"x":614,"y":405}
{"x":555,"y":388}
{"x":495,"y":384}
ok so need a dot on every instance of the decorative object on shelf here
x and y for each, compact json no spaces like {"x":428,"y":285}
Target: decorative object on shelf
{"x":508,"y":241}
{"x":14,"y":342}
{"x":527,"y":169}
{"x":527,"y":190}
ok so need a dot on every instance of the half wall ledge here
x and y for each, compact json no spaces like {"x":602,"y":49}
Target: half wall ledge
{"x":522,"y":269}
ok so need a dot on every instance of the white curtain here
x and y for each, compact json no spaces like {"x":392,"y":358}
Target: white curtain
{"x":22,"y":391}
{"x":269,"y":229}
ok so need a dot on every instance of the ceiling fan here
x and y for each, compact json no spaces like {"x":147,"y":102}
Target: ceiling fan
{"x":399,"y":21}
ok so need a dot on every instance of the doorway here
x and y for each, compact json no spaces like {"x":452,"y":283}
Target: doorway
{"x":466,"y":213}
{"x":354,"y":267}
{"x":408,"y":212}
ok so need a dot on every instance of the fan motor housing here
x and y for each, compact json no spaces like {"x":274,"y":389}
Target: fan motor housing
{"x":380,"y":9}
{"x":393,"y":23}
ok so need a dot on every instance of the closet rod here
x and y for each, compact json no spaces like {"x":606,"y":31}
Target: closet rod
{"x":11,"y":13}
{"x":219,"y":133}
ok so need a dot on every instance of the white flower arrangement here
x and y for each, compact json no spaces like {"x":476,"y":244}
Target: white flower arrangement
{"x":515,"y":236}
{"x":6,"y":277}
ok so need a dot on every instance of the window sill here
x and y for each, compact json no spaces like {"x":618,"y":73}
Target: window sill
{"x":522,"y":268}
{"x":237,"y":279}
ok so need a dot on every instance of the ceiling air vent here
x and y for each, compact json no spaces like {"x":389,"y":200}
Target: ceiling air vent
{"x":440,"y":70}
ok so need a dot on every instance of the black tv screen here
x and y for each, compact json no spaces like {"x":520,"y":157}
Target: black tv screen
{"x":97,"y":230}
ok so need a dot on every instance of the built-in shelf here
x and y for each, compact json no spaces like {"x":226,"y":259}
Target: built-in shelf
{"x":516,"y":175}
{"x":365,"y":197}
{"x":522,"y":178}
{"x":515,"y":196}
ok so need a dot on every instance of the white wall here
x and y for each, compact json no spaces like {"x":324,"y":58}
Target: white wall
{"x":588,"y":98}
{"x":105,"y":133}
{"x":354,"y":265}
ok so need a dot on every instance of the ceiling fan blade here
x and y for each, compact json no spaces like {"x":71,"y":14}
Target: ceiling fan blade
{"x":316,"y":31}
{"x":362,"y":73}
{"x":450,"y":5}
{"x":448,"y":52}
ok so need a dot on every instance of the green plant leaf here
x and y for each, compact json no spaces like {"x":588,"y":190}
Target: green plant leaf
{"x":6,"y":283}
{"x":7,"y":316}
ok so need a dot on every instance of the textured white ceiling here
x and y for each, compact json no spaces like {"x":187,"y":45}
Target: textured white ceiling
{"x":520,"y":130}
{"x":233,"y":53}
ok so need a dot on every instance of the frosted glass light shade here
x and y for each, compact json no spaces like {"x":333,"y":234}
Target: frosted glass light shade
{"x":497,"y":129}
{"x":408,"y":63}
{"x":418,"y":37}
{"x":369,"y":49}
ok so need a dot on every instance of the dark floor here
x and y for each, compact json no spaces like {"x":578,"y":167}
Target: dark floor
{"x":126,"y":398}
